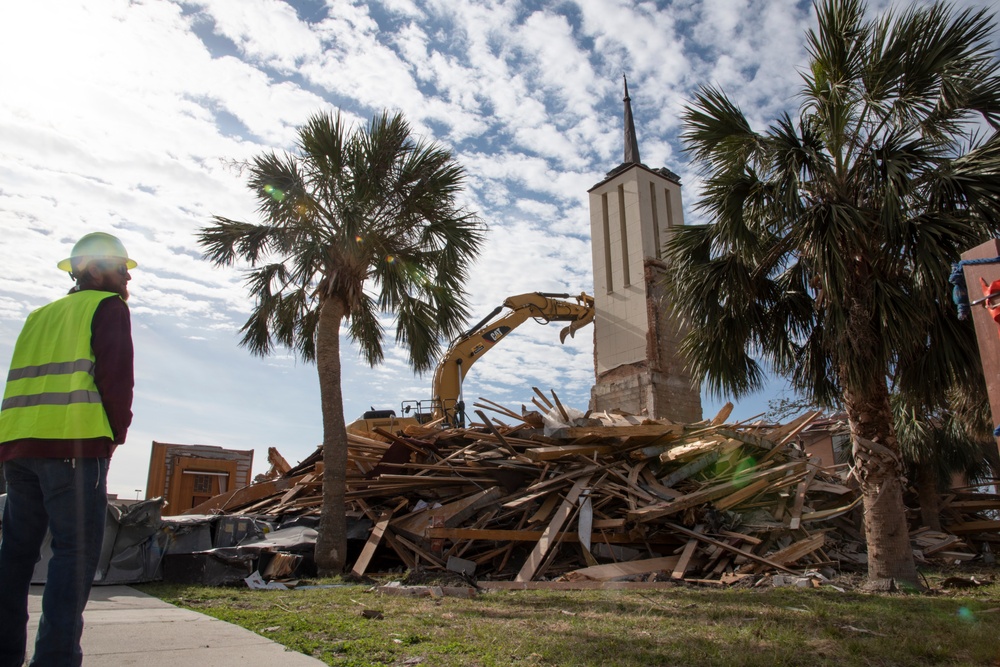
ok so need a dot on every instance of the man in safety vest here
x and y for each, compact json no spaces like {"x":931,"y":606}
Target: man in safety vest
{"x":67,"y":405}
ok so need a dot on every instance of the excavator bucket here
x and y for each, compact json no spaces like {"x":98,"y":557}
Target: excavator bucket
{"x":575,"y":326}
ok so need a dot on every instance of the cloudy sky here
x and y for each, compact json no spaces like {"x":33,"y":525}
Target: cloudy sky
{"x":126,"y":116}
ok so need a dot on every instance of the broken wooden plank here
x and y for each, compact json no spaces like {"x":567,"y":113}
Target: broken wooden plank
{"x":546,"y":508}
{"x":565,"y":451}
{"x":547,"y":404}
{"x":650,"y":483}
{"x":798,"y":550}
{"x":689,"y":469}
{"x":653,"y":512}
{"x":374,"y":539}
{"x":982,"y":526}
{"x":645,"y":430}
{"x":686,"y":554}
{"x":723,"y":414}
{"x":244,"y":495}
{"x":747,"y":492}
{"x":729,"y":547}
{"x":800,"y":498}
{"x":496,"y":434}
{"x":452,"y":513}
{"x":550,"y":534}
{"x":559,"y":406}
{"x":610,"y":571}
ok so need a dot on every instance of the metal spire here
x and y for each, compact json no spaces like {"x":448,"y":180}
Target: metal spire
{"x":631,"y":144}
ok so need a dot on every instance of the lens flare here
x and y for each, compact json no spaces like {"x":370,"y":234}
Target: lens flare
{"x":390,"y":259}
{"x":742,"y":469}
{"x":357,"y":239}
{"x":277,"y":194}
{"x":966,"y":614}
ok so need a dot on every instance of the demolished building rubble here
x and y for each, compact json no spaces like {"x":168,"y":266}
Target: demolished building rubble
{"x":526,"y":497}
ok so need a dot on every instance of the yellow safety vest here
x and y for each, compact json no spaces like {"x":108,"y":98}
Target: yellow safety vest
{"x":51,"y":393}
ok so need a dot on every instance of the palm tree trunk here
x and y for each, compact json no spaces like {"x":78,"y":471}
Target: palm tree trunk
{"x":879,"y":468}
{"x":930,"y":497}
{"x":331,"y":543}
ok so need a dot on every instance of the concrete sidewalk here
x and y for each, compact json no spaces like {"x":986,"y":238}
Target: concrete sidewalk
{"x":126,"y":627}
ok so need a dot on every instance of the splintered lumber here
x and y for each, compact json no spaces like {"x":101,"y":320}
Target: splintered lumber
{"x":797,"y":550}
{"x":244,"y":495}
{"x":278,"y":463}
{"x":559,"y":406}
{"x":496,"y":407}
{"x":546,"y":404}
{"x":692,"y":468}
{"x":361,"y":565}
{"x":691,"y":449}
{"x":633,"y":568}
{"x":643,"y":430}
{"x":737,"y":497}
{"x":511,"y":499}
{"x":565,"y":451}
{"x":549,"y":535}
{"x":729,"y":547}
{"x":985,"y":525}
{"x":451,"y":514}
{"x":800,"y":497}
{"x":658,"y":511}
{"x":723,"y":414}
{"x":496,"y":433}
{"x":784,"y":434}
{"x":685,"y":558}
{"x":497,"y":535}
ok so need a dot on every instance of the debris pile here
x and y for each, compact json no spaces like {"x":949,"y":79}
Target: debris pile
{"x":593,"y":498}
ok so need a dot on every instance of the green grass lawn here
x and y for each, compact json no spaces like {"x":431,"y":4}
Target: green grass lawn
{"x":682,"y":626}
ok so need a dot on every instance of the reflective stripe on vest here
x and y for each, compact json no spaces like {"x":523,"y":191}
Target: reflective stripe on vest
{"x":50,"y":392}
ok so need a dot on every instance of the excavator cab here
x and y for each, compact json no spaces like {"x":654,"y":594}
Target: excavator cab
{"x":422,"y":411}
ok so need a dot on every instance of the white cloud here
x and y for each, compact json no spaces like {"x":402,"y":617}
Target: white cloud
{"x":127,"y":116}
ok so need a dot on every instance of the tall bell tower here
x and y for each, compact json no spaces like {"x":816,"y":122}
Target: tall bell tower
{"x":632,"y":214}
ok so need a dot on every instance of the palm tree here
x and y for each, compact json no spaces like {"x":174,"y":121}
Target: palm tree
{"x":937,"y":444}
{"x":356,"y":223}
{"x":833,"y":231}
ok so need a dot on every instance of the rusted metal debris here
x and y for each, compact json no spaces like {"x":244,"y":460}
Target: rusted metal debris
{"x":602,"y":498}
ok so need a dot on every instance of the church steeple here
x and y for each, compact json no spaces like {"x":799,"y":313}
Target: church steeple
{"x":631,"y":143}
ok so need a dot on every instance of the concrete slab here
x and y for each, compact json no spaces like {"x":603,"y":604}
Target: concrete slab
{"x":124,"y":627}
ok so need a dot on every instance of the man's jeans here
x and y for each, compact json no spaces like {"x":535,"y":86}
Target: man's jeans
{"x":69,"y":498}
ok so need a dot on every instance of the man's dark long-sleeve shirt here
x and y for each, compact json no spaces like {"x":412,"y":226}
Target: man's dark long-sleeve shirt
{"x":111,"y":340}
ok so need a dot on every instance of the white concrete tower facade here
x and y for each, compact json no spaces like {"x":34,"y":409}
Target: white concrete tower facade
{"x":637,"y":365}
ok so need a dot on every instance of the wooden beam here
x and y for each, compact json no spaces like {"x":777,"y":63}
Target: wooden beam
{"x":547,"y":403}
{"x":493,"y":429}
{"x":653,"y":512}
{"x":452,"y":513}
{"x":244,"y":495}
{"x":631,"y":568}
{"x":984,"y":526}
{"x":800,"y":499}
{"x":645,"y":430}
{"x":729,"y":547}
{"x":378,"y":530}
{"x":502,"y":535}
{"x":798,"y":550}
{"x":550,"y":534}
{"x":685,"y":559}
{"x":562,"y":451}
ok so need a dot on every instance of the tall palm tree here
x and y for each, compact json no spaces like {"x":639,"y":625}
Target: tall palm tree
{"x":833,"y":231}
{"x":356,"y":223}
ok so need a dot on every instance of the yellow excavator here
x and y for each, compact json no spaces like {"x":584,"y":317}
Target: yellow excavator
{"x":446,"y":401}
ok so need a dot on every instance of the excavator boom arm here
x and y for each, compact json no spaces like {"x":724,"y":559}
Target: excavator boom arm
{"x":468,"y":348}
